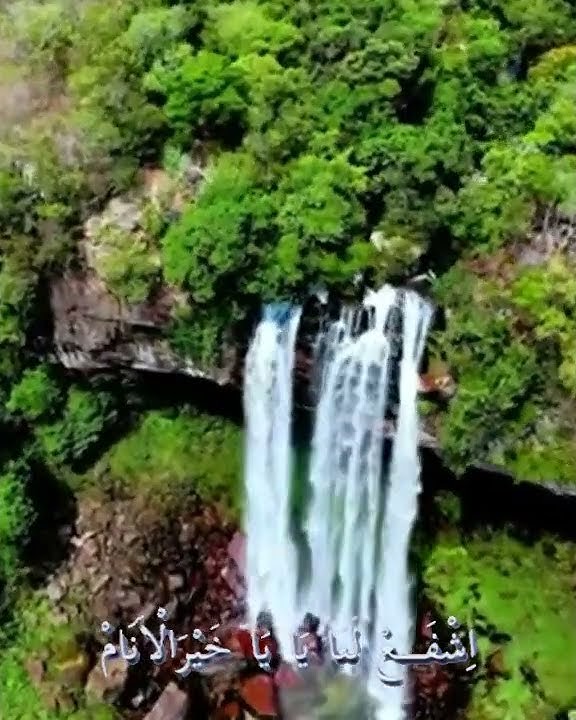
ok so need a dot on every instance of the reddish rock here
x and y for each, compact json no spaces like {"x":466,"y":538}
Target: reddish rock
{"x":430,"y":383}
{"x":229,"y":711}
{"x":495,"y":663}
{"x":258,"y":695}
{"x":425,"y":631}
{"x":171,"y":705}
{"x":109,"y":687}
{"x":36,"y":671}
{"x":286,"y":677}
{"x":237,"y":552}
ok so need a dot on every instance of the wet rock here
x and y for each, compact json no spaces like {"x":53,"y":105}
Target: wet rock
{"x":171,"y":705}
{"x":258,"y":696}
{"x":237,"y":551}
{"x":154,"y":570}
{"x":72,"y":671}
{"x":107,"y":688}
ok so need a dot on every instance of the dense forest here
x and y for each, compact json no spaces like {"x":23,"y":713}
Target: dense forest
{"x":337,"y":140}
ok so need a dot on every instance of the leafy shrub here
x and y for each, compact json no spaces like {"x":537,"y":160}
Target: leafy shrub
{"x":15,"y":518}
{"x":85,"y":416}
{"x":36,"y":395}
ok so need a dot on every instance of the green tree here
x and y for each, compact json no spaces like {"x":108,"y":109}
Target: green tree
{"x":211,"y":250}
{"x":202,"y":91}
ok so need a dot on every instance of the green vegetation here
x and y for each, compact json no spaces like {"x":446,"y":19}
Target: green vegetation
{"x":16,"y":514}
{"x":170,"y":454}
{"x":444,"y":134}
{"x":37,"y":637}
{"x":520,"y":604}
{"x":331,"y":140}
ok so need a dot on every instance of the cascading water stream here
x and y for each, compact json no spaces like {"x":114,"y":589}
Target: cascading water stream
{"x":346,"y":466}
{"x":357,"y":544}
{"x":271,"y":563}
{"x":393,"y":611}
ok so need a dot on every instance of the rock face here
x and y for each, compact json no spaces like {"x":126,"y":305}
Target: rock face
{"x":126,"y":561}
{"x":94,"y":330}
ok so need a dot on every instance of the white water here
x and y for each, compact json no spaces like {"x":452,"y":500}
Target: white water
{"x":357,"y":570}
{"x":270,"y":555}
{"x":346,"y":466}
{"x":393,"y":610}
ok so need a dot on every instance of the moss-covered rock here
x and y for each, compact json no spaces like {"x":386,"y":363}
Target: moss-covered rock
{"x":174,"y":453}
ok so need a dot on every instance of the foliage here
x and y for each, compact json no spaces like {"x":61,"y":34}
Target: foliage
{"x":217,"y":236}
{"x":497,"y":372}
{"x":170,"y":454}
{"x":85,"y":416}
{"x":198,"y":334}
{"x":344,"y":138}
{"x":526,"y":622}
{"x":16,"y":515}
{"x":203,"y":90}
{"x":547,"y":297}
{"x":37,"y":634}
{"x":36,"y":395}
{"x":127,"y":265}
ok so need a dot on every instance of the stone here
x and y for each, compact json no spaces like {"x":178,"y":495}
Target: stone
{"x":237,"y":551}
{"x":171,"y":705}
{"x":175,"y":582}
{"x":107,"y":688}
{"x":93,"y":329}
{"x":138,"y":699}
{"x":72,"y":671}
{"x":258,"y":694}
{"x":36,"y":670}
{"x":54,"y":591}
{"x":101,"y":584}
{"x":129,"y":600}
{"x":495,"y":663}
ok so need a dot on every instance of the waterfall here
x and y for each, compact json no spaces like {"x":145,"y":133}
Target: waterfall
{"x":357,"y":526}
{"x":346,"y":466}
{"x":393,"y":615}
{"x":271,"y":563}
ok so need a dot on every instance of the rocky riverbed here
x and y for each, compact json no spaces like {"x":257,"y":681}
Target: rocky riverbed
{"x":126,"y":560}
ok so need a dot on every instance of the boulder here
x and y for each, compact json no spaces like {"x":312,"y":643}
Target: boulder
{"x":171,"y":705}
{"x":107,"y":688}
{"x":36,"y":670}
{"x":259,"y":697}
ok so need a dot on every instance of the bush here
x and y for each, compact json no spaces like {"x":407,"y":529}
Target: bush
{"x":528,"y":622}
{"x":16,"y":515}
{"x":85,"y":416}
{"x":36,"y":395}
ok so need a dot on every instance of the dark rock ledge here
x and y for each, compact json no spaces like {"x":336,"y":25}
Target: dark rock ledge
{"x":93,"y":330}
